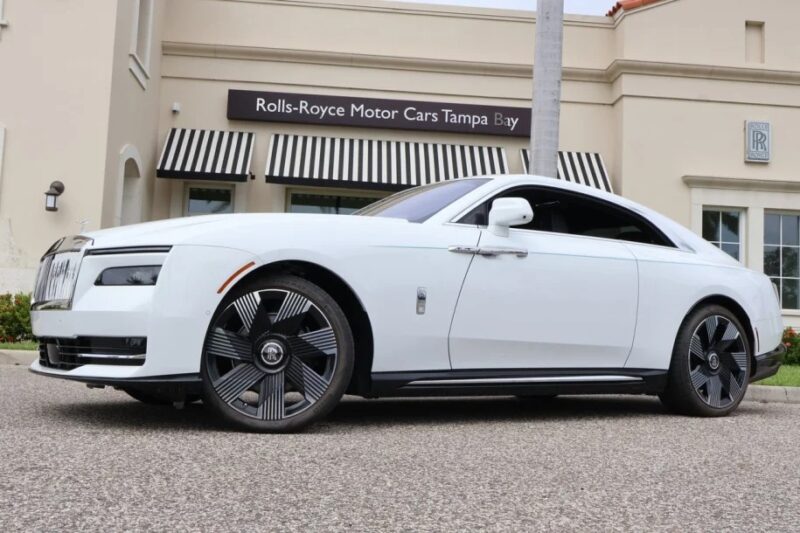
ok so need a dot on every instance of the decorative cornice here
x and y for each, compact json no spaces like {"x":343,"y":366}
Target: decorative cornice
{"x":711,"y":72}
{"x":316,"y":57}
{"x":616,"y":69}
{"x":741,"y":184}
{"x":438,"y":10}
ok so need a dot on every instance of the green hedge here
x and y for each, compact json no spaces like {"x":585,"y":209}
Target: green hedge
{"x":15,"y":318}
{"x":791,"y":339}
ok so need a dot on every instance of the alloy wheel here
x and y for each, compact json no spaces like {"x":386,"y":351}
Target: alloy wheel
{"x":718,"y":362}
{"x":271,"y":354}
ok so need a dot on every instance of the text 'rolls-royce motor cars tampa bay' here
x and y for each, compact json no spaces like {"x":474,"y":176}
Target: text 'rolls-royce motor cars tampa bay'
{"x":513,"y":285}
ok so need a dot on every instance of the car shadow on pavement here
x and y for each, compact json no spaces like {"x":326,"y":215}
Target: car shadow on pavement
{"x":135,"y":415}
{"x":478,"y":410}
{"x":359,"y":414}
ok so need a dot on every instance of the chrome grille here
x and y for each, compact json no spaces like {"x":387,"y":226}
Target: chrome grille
{"x":58,"y":274}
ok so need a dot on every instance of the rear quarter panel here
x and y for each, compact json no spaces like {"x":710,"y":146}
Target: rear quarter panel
{"x":672,"y":281}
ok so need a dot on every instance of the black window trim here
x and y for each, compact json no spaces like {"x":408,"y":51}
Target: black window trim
{"x":623,"y":210}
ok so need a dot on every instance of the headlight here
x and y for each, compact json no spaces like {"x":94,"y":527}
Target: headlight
{"x":135,"y":275}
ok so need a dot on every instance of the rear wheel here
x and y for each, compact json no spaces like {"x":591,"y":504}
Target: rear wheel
{"x":710,"y":365}
{"x":278,"y":355}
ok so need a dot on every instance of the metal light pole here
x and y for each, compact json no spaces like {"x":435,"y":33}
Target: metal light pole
{"x":547,"y":88}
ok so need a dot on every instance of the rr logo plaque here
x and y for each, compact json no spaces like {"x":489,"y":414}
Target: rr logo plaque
{"x":758,"y":139}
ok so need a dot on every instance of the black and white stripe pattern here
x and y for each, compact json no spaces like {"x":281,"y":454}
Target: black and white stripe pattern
{"x":584,"y":168}
{"x":376,"y":164}
{"x":207,"y":155}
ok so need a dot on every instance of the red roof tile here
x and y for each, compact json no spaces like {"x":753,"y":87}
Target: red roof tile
{"x":627,"y":5}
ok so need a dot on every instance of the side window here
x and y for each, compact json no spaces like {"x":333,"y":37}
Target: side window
{"x":560,"y":211}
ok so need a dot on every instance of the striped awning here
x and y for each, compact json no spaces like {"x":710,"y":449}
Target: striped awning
{"x":206,"y":155}
{"x":585,"y":168}
{"x":376,"y":164}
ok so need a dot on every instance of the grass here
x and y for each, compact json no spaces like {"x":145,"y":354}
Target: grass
{"x":24,"y":345}
{"x":787,"y":376}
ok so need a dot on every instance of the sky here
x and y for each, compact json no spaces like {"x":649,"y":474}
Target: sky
{"x":583,"y":7}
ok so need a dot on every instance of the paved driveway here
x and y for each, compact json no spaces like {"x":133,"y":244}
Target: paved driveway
{"x":80,"y":459}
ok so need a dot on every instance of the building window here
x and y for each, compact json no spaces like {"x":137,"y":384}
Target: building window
{"x":754,"y":42}
{"x":723,"y":229}
{"x":209,"y":200}
{"x":328,"y":204}
{"x":141,"y":34}
{"x":782,"y":256}
{"x":3,"y":21}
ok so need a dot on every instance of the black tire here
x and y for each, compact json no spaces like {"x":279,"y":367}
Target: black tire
{"x":710,"y":366}
{"x":278,"y":355}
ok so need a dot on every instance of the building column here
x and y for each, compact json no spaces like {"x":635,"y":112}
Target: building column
{"x":754,"y":238}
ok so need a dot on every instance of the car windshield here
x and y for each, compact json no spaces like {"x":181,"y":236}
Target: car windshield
{"x":421,"y":203}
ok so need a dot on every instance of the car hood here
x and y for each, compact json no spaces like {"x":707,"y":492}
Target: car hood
{"x":212,"y":230}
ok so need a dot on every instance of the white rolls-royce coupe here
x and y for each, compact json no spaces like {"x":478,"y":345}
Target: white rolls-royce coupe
{"x":510,"y":286}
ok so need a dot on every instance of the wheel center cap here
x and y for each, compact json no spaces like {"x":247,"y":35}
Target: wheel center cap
{"x":713,"y":361}
{"x":272,"y":355}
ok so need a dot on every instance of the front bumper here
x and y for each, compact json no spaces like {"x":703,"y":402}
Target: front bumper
{"x":768,"y":364}
{"x":97,"y":333}
{"x":175,"y":387}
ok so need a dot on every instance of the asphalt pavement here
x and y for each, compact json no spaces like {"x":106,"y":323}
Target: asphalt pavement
{"x":91,"y":460}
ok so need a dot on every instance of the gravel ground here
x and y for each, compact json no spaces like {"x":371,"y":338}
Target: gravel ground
{"x":90,"y":460}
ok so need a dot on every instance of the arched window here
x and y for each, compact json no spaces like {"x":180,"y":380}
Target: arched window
{"x":131,"y":212}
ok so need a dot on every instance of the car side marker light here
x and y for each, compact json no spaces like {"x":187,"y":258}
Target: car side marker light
{"x":234,"y":276}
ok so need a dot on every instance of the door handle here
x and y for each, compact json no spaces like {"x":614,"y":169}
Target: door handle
{"x":489,"y":251}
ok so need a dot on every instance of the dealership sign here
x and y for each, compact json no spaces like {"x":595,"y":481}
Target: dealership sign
{"x":378,"y":113}
{"x":759,"y":142}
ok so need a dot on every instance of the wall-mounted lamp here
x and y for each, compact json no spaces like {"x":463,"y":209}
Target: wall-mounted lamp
{"x":51,"y":196}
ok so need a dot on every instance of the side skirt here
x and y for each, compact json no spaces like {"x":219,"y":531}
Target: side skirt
{"x":519,"y":382}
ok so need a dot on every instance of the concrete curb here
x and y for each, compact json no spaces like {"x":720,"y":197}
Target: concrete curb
{"x":18,"y":357}
{"x":768,"y":394}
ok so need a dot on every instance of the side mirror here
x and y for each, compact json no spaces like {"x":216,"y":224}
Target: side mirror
{"x":507,"y":212}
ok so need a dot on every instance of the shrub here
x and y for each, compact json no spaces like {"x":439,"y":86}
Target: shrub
{"x":15,"y":317}
{"x":791,"y":339}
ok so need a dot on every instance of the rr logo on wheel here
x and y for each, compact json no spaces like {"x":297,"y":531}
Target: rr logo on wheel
{"x":272,"y":353}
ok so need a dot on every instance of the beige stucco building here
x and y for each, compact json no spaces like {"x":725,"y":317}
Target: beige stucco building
{"x":656,"y":98}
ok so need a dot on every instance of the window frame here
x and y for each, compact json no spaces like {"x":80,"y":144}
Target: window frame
{"x":780,"y":278}
{"x":670,"y":244}
{"x":187,"y":192}
{"x":377,"y":195}
{"x":742,"y":212}
{"x":3,"y":21}
{"x":138,"y":65}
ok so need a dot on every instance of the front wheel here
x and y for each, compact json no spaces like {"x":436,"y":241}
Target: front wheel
{"x":278,"y":355}
{"x":710,"y":365}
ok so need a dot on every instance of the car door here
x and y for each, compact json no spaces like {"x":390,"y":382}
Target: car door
{"x":548,"y":298}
